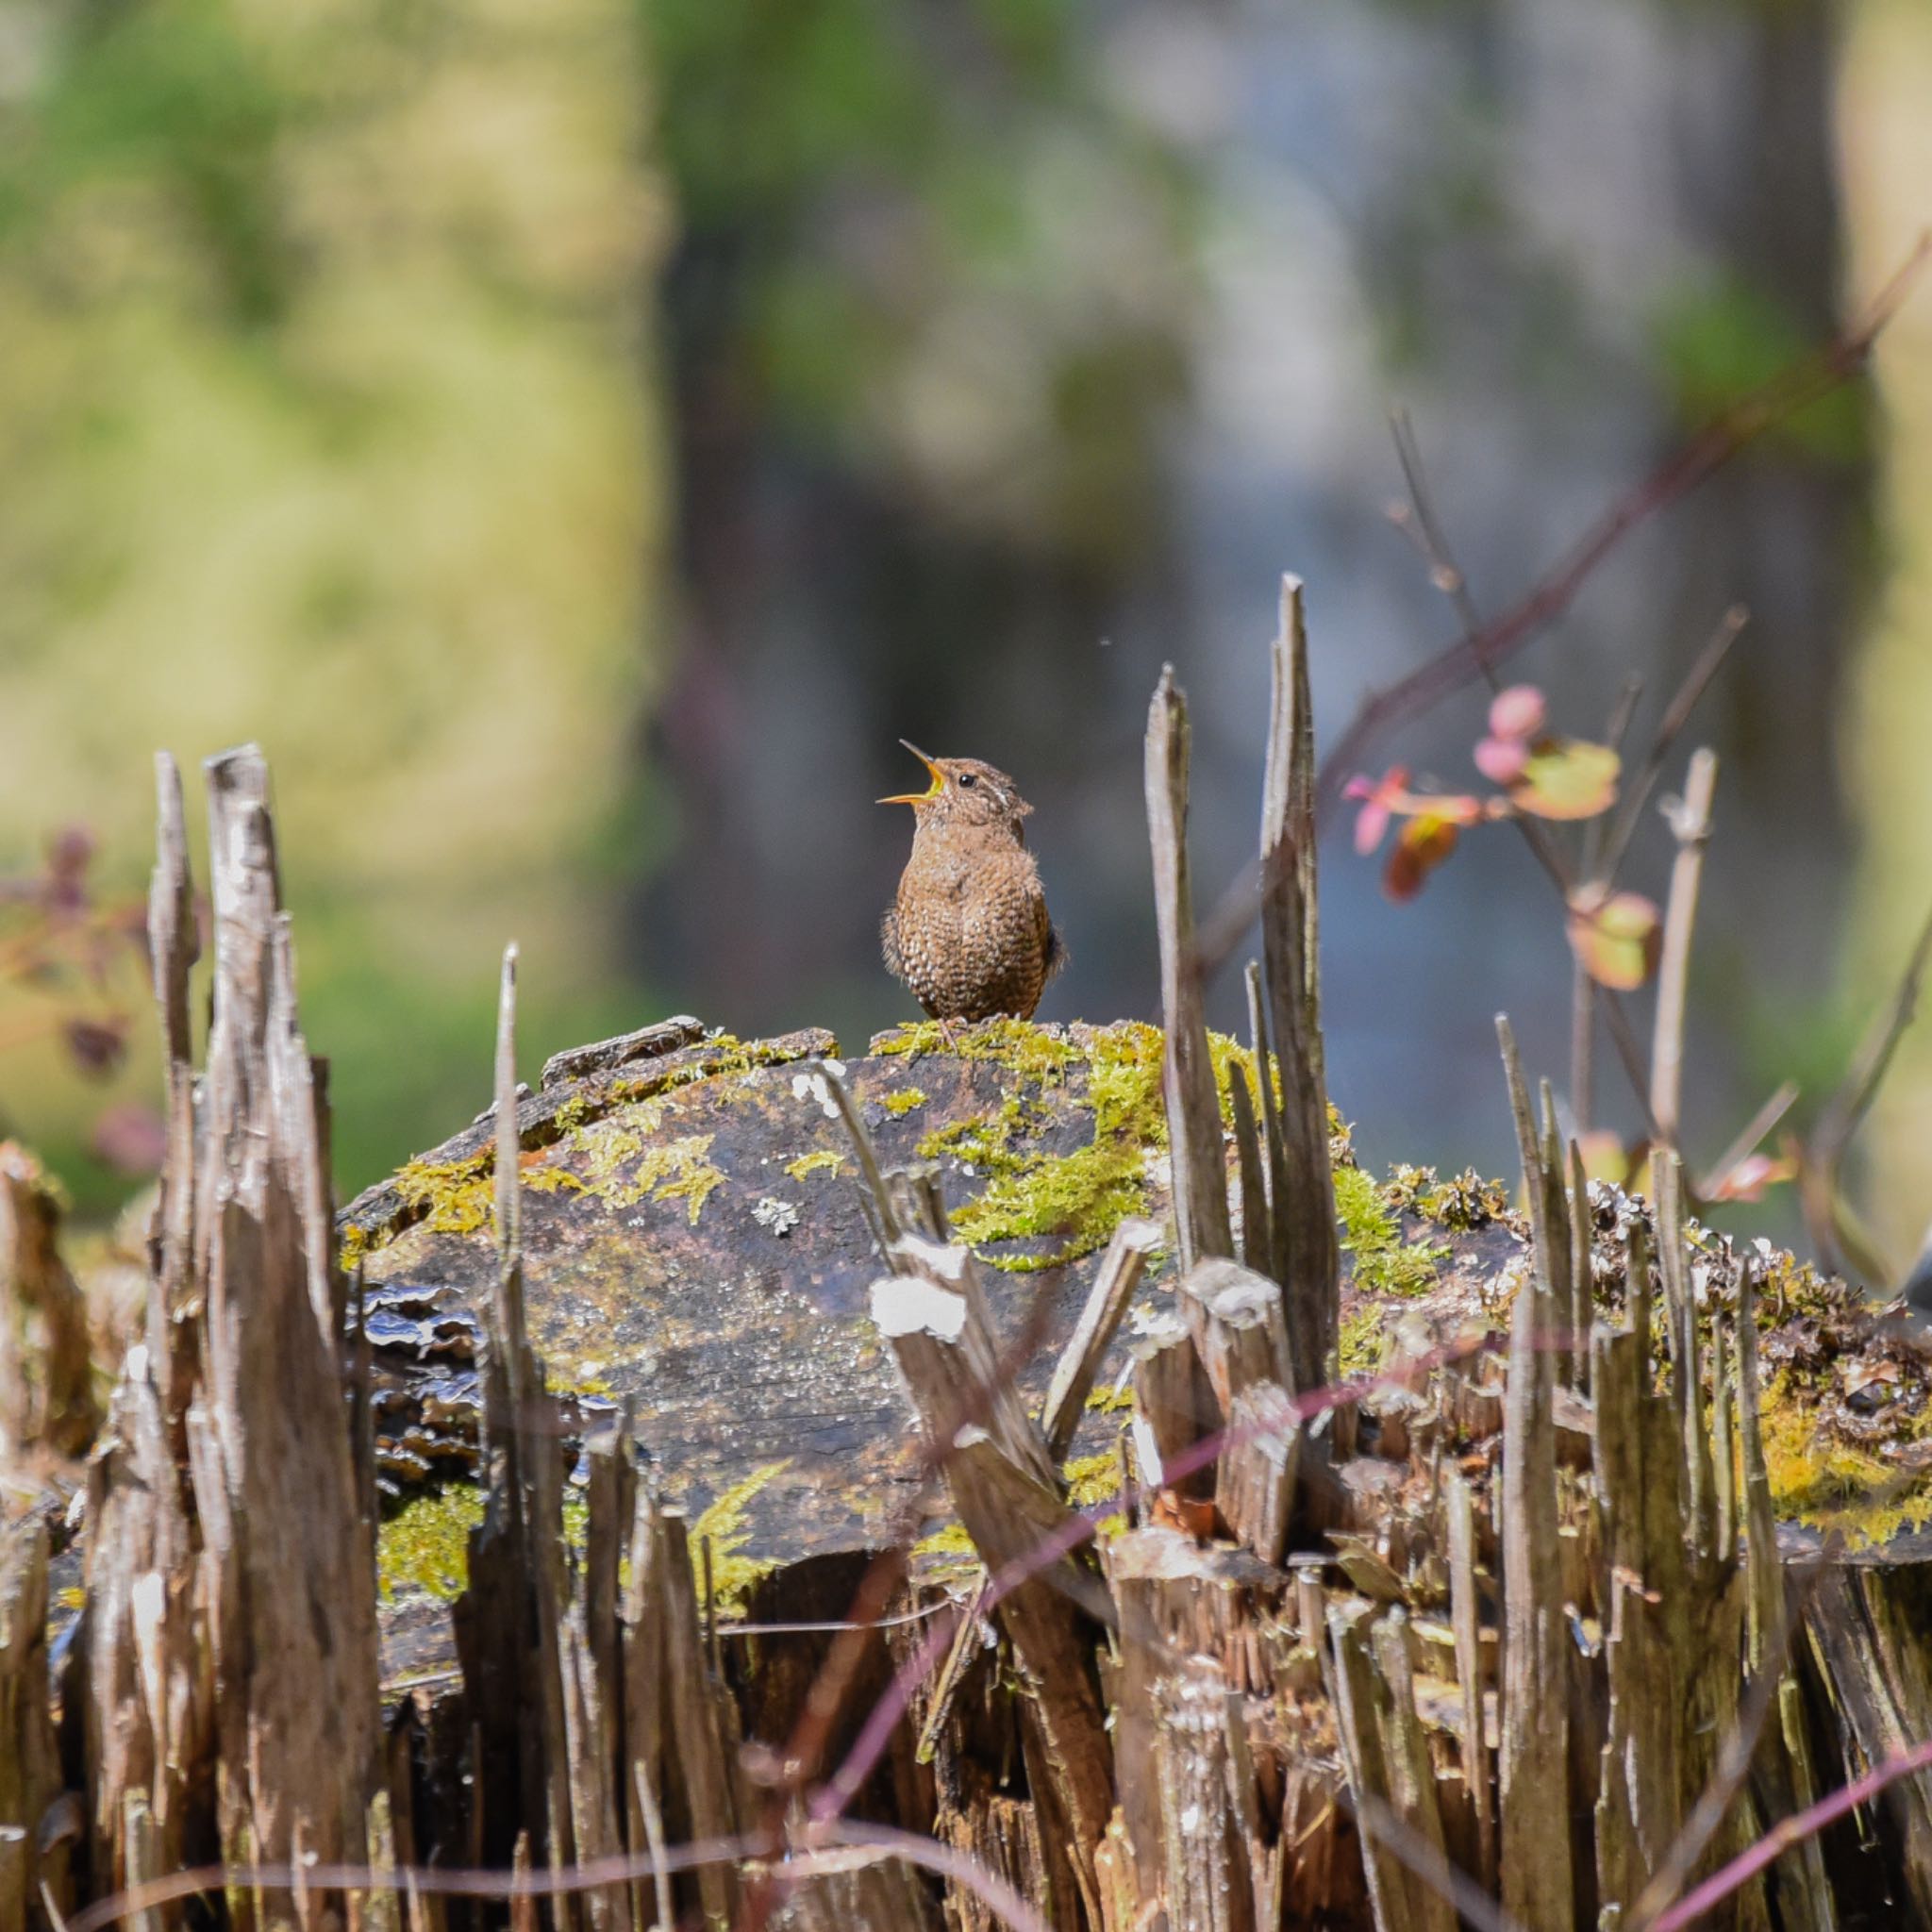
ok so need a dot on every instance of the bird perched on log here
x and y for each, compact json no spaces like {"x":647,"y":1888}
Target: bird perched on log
{"x":969,"y":933}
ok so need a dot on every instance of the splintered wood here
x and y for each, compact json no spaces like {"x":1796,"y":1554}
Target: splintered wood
{"x":1501,"y":1636}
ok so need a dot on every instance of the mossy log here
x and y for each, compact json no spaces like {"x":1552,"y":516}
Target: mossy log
{"x":696,"y":1247}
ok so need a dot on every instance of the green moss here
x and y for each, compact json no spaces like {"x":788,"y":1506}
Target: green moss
{"x":616,"y":1163}
{"x":1094,"y":1480}
{"x":424,"y":1547}
{"x":1019,"y":1045}
{"x":1384,"y":1262}
{"x":901,"y":1103}
{"x":1081,"y":1197}
{"x":450,"y":1197}
{"x":1818,"y":1479}
{"x":734,"y":1575}
{"x":825,"y":1161}
{"x":1360,"y":1344}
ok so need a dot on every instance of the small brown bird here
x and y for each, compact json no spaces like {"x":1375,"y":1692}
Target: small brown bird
{"x":969,"y":933}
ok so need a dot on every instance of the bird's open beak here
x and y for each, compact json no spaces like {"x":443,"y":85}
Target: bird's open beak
{"x":933,"y":791}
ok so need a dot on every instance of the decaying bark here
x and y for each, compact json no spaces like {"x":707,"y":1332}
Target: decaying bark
{"x":294,"y":1638}
{"x":30,"y":1768}
{"x":46,"y":1356}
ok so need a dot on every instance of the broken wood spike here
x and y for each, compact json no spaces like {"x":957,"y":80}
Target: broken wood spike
{"x":1307,"y":1256}
{"x":1239,"y":1327}
{"x":1193,"y":1111}
{"x":1256,"y":1477}
{"x":1005,"y":1493}
{"x":1114,"y":1282}
{"x":1173,"y":1409}
{"x":1535,"y":1857}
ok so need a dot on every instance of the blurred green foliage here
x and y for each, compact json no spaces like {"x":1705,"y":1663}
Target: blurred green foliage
{"x":332,"y":420}
{"x":325,"y":424}
{"x":922,"y":239}
{"x":1719,"y":339}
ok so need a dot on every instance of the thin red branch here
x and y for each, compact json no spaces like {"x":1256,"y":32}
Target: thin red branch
{"x":1709,"y":450}
{"x":1789,"y":1832}
{"x":1468,"y":658}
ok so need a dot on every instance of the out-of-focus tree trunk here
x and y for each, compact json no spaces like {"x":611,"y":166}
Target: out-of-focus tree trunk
{"x":1886,"y":147}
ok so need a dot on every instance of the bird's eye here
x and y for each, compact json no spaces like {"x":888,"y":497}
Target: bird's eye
{"x":967,"y":778}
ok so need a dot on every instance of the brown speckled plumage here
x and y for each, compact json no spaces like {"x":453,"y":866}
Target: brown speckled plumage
{"x":968,"y":932}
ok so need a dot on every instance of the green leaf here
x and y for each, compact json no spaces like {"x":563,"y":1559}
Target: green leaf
{"x":1568,"y":779}
{"x":1616,"y":937}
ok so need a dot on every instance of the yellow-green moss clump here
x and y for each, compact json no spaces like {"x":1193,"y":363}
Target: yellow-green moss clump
{"x":424,"y":1547}
{"x":451,"y":1196}
{"x":824,"y":1163}
{"x":1359,"y":1346}
{"x":1093,"y":1480}
{"x":1081,"y":1197}
{"x":734,"y":1575}
{"x":1383,"y":1264}
{"x":903,"y":1101}
{"x":947,"y":1556}
{"x":1818,"y":1479}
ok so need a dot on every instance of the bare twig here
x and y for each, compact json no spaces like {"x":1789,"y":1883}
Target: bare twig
{"x":1753,"y":1130}
{"x":1425,"y":529}
{"x":1789,"y":1832}
{"x":1691,"y":826}
{"x":1636,"y":791}
{"x":1582,"y":988}
{"x":1720,"y":438}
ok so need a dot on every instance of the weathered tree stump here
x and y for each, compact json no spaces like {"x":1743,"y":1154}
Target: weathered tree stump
{"x":696,"y":1246}
{"x":1451,"y":1554}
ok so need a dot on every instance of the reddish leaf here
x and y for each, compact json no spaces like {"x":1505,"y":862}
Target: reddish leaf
{"x":130,"y":1137}
{"x":1751,"y":1177}
{"x":1379,"y":798}
{"x":1421,"y":847}
{"x":1617,"y":936}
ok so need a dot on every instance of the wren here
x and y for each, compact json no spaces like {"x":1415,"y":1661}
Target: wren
{"x":969,"y":933}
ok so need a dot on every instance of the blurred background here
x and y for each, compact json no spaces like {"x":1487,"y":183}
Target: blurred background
{"x":578,"y":441}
